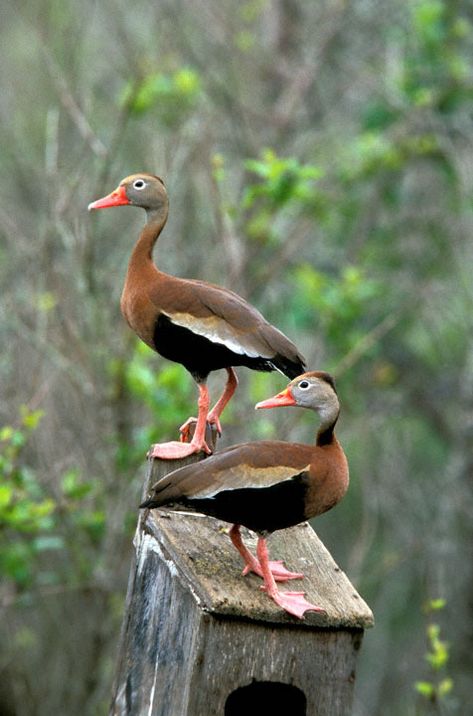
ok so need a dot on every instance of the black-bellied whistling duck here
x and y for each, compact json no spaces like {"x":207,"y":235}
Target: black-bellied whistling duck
{"x":268,"y":485}
{"x":202,"y":326}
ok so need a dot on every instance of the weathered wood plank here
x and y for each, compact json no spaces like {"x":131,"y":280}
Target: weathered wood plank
{"x":206,"y":559}
{"x":230,"y":654}
{"x":160,"y":625}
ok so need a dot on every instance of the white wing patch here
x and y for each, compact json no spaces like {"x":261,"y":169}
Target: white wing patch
{"x":247,"y":477}
{"x":216,"y":330}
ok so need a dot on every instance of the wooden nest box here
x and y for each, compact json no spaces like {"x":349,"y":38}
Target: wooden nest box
{"x":199,"y":639}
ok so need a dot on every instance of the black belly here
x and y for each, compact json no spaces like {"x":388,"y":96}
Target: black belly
{"x":199,"y":354}
{"x":260,"y":509}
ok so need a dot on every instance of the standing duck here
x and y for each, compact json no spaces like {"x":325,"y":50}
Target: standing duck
{"x":202,"y":326}
{"x":268,"y":485}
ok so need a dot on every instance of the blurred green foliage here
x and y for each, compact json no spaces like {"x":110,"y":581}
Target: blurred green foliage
{"x":26,"y":513}
{"x":166,"y":394}
{"x":35,"y":519}
{"x":345,"y":305}
{"x":280,"y":180}
{"x":277,"y":187}
{"x":436,"y":691}
{"x":171,"y":96}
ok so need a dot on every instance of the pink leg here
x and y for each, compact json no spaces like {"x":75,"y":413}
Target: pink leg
{"x":217,"y":410}
{"x":292,"y":602}
{"x":214,"y":416}
{"x":174,"y":449}
{"x":279,"y":572}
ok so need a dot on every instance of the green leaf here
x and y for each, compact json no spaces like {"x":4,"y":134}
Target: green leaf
{"x":6,"y":494}
{"x":30,"y":516}
{"x":282,"y":181}
{"x":439,"y":657}
{"x":425,"y":688}
{"x":436,"y":604}
{"x":6,"y":433}
{"x":378,"y":116}
{"x":428,"y":18}
{"x":72,"y":486}
{"x":433,"y":632}
{"x":169,"y":95}
{"x":445,"y":686}
{"x":187,"y":81}
{"x":16,"y":562}
{"x":30,"y":419}
{"x":18,"y":438}
{"x":45,"y":301}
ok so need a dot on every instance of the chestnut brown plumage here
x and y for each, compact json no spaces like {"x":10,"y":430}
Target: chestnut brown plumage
{"x":202,"y":326}
{"x":268,"y":485}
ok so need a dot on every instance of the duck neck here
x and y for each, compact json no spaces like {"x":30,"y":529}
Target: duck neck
{"x":325,"y":433}
{"x":142,"y":254}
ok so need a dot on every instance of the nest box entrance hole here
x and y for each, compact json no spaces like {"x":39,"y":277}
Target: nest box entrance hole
{"x":278,"y":699}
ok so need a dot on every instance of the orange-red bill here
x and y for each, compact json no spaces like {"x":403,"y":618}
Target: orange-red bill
{"x":116,"y":198}
{"x":277,"y":401}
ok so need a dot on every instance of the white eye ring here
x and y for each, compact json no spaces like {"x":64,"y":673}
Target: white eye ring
{"x":139,"y":184}
{"x":304,"y":384}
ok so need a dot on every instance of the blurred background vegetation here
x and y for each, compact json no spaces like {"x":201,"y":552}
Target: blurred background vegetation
{"x":319,"y":161}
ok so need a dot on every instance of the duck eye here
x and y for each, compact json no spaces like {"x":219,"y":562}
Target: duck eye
{"x":139,"y":184}
{"x":304,"y":384}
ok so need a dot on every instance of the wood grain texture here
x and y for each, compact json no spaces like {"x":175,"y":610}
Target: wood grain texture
{"x":202,"y":552}
{"x":156,"y":647}
{"x":231,"y":654}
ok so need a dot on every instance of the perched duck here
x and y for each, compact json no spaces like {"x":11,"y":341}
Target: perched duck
{"x":268,"y":485}
{"x":202,"y":326}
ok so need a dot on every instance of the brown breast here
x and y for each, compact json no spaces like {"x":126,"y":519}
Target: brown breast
{"x":329,"y":478}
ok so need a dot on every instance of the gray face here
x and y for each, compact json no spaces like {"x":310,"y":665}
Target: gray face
{"x":145,"y":191}
{"x":315,"y":393}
